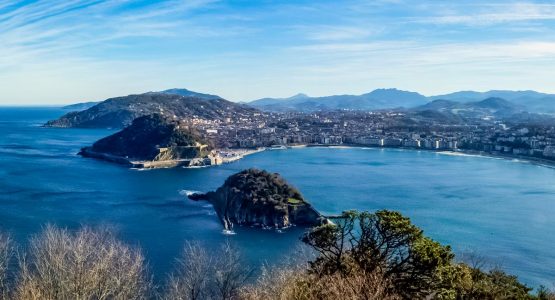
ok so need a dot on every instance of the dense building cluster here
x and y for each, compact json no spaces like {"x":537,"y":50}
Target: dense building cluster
{"x":382,"y":129}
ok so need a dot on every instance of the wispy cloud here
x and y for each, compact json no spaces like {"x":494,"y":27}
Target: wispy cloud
{"x":52,"y":28}
{"x":338,"y":33}
{"x":487,"y":14}
{"x":227,"y":47}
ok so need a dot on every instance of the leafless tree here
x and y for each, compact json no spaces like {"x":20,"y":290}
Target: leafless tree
{"x":295,"y":283}
{"x":204,"y":275}
{"x":475,"y":260}
{"x":88,"y":264}
{"x":231,"y":273}
{"x":191,"y":280}
{"x":6,"y":255}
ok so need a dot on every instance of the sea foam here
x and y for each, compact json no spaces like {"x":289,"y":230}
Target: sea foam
{"x":188,"y":192}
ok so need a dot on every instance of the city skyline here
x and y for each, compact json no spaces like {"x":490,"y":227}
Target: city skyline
{"x":57,"y":52}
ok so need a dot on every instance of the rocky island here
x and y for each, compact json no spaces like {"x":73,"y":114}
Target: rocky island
{"x":258,"y":198}
{"x":153,"y":141}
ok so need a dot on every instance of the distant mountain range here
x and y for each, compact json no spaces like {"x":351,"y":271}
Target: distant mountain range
{"x":493,"y":106}
{"x":121,"y":111}
{"x":377,"y":99}
{"x":393,"y":98}
{"x":533,"y":101}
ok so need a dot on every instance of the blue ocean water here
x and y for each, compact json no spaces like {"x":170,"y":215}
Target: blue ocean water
{"x":500,"y":209}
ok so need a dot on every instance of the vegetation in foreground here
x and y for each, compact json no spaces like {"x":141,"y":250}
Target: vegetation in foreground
{"x":365,"y":255}
{"x":383,"y":255}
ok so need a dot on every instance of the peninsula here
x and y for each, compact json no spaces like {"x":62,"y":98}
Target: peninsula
{"x":258,"y":198}
{"x":153,"y":141}
{"x":119,"y":112}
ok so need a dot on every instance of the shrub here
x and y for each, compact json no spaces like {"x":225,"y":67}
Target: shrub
{"x":363,"y":256}
{"x":415,"y":266}
{"x":87,"y":264}
{"x":203,"y":276}
{"x":6,"y":255}
{"x":384,"y":242}
{"x":192,"y":276}
{"x":295,"y":283}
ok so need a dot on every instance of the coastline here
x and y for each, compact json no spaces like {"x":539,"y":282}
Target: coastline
{"x":231,"y":155}
{"x":519,"y":158}
{"x":463,"y":152}
{"x":89,"y":153}
{"x":222,"y":157}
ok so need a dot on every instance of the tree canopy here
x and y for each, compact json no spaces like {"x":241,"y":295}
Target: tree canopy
{"x":386,"y":242}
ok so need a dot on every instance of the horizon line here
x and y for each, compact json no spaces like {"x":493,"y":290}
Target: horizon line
{"x":53,"y":105}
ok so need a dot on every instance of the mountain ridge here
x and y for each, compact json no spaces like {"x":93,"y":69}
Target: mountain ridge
{"x":79,"y":106}
{"x":377,"y":99}
{"x":498,"y":107}
{"x":393,"y":98}
{"x":119,"y":112}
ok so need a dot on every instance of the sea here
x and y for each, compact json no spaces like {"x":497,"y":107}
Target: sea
{"x":501,"y":210}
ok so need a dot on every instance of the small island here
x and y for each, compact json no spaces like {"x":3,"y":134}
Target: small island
{"x":153,"y":141}
{"x":258,"y":198}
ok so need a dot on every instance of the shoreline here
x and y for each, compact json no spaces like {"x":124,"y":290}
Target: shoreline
{"x":231,"y":155}
{"x":533,"y":160}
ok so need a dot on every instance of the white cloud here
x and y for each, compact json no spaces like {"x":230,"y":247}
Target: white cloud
{"x":38,"y":31}
{"x":414,"y":65}
{"x":488,"y":14}
{"x":63,"y":50}
{"x":339,"y":32}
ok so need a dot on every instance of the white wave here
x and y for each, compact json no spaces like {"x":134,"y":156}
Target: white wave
{"x":188,"y":192}
{"x":228,"y":232}
{"x":451,"y":153}
{"x":195,"y":167}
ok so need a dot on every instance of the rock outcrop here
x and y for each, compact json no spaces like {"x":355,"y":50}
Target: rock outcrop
{"x":259,"y":198}
{"x":149,"y":138}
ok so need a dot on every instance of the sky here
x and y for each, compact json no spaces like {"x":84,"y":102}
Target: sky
{"x":67,"y":51}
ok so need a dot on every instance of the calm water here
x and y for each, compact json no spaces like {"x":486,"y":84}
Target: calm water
{"x":498,"y":208}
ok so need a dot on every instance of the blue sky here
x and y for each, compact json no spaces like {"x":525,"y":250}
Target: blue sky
{"x":79,"y":50}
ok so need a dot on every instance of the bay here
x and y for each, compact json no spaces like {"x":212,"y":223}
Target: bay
{"x":497,"y":208}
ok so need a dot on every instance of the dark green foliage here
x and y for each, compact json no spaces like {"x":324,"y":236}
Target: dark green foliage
{"x":386,"y":242}
{"x":417,"y":267}
{"x":266,"y":189}
{"x":497,"y":284}
{"x":145,"y":135}
{"x":259,"y":198}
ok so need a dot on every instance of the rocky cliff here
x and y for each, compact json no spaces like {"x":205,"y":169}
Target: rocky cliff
{"x":150,"y":138}
{"x":259,"y":198}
